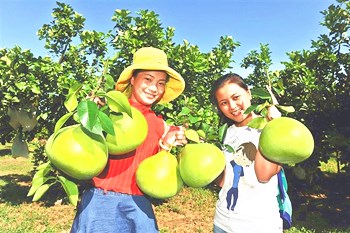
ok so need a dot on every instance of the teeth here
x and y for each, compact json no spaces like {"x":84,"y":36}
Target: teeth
{"x":236,"y":112}
{"x":150,"y":95}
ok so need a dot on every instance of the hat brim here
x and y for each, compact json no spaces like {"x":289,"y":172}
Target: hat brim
{"x":174,"y":87}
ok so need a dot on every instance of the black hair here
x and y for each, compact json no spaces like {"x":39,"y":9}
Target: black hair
{"x":220,"y":82}
{"x":137,"y":71}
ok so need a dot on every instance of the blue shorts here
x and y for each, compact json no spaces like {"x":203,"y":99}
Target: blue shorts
{"x":218,"y":229}
{"x":114,"y":212}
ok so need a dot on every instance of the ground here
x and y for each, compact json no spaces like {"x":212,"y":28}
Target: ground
{"x":325,"y":208}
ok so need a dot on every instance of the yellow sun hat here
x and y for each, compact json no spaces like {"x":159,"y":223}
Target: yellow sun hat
{"x":149,"y":58}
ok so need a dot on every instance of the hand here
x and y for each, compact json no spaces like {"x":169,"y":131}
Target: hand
{"x":98,"y":101}
{"x":175,"y":136}
{"x":273,"y":112}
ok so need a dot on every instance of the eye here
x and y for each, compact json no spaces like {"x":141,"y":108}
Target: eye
{"x":223,"y":103}
{"x":162,"y":83}
{"x":236,"y":97}
{"x":148,"y":79}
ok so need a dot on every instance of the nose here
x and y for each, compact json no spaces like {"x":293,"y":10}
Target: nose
{"x":153,"y":87}
{"x":233,"y":104}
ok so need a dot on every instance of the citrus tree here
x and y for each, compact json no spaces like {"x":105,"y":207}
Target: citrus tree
{"x":316,"y":83}
{"x":82,"y":64}
{"x":318,"y":80}
{"x":199,"y":69}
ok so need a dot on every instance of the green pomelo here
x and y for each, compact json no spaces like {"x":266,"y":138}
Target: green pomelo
{"x":158,"y":176}
{"x":200,"y":164}
{"x":129,"y":132}
{"x":286,"y":140}
{"x":79,"y":154}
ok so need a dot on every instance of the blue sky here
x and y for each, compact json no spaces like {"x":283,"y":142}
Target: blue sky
{"x":286,"y":25}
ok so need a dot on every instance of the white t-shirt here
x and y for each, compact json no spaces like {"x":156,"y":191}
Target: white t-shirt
{"x":256,"y":207}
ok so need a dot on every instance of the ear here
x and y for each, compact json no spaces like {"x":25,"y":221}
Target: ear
{"x":132,"y":80}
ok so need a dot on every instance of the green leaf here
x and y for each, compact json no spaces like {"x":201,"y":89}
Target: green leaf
{"x":43,"y":166}
{"x":42,"y":173}
{"x":62,"y":120}
{"x":184,"y":111}
{"x":21,"y":85}
{"x":260,"y":93}
{"x":71,"y":101}
{"x":71,"y":189}
{"x":38,"y":182}
{"x":205,"y":127}
{"x":286,"y":108}
{"x":118,"y":102}
{"x":41,"y":191}
{"x":260,"y":107}
{"x":250,"y":109}
{"x":106,"y":123}
{"x":201,"y":133}
{"x":40,"y":177}
{"x":222,"y":132}
{"x":36,"y":89}
{"x":193,"y":119}
{"x":280,"y":84}
{"x":229,"y":148}
{"x":264,"y":112}
{"x":109,"y":82}
{"x":278,"y":91}
{"x":88,"y":113}
{"x":192,"y":135}
{"x":258,"y":123}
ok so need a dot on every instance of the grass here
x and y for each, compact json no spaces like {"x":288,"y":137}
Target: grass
{"x":330,"y":166}
{"x":325,"y":209}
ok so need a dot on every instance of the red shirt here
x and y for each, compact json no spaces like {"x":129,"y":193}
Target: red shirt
{"x":119,"y":174}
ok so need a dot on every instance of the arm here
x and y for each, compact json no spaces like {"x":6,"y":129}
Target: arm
{"x":264,"y":168}
{"x":272,"y":111}
{"x":220,"y":179}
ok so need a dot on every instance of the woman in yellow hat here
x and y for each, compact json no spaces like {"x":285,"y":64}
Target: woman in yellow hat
{"x":115,"y":203}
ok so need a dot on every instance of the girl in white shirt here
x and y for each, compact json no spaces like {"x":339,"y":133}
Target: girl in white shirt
{"x":247,"y":200}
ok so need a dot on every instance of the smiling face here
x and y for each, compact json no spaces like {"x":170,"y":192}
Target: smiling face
{"x":148,"y":86}
{"x":233,"y":100}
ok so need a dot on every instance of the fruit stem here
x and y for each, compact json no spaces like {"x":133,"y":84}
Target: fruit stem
{"x":92,"y":94}
{"x":273,"y":97}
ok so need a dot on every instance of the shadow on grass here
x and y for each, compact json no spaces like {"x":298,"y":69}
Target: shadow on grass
{"x":324,"y":205}
{"x":15,"y":189}
{"x":4,"y":152}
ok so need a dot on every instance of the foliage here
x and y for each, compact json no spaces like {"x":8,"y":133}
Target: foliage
{"x":83,"y":71}
{"x":46,"y":85}
{"x":82,"y":64}
{"x":316,"y":83}
{"x":193,"y":108}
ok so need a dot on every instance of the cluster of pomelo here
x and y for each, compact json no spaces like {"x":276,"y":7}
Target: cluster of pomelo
{"x":283,"y":140}
{"x":163,"y":175}
{"x":83,"y":155}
